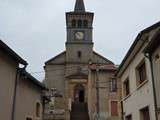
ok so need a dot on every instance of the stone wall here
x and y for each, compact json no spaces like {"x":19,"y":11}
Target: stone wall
{"x":105,"y":96}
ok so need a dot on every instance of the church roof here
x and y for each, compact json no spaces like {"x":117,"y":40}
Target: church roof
{"x":32,"y":79}
{"x":107,"y":60}
{"x":62,"y":54}
{"x":60,"y":59}
{"x":79,"y":6}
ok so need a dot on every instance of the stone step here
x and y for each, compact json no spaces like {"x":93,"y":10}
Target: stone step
{"x":79,"y":117}
{"x":79,"y":111}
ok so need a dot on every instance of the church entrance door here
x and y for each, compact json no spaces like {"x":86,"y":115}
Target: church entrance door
{"x":81,"y":96}
{"x":79,"y":93}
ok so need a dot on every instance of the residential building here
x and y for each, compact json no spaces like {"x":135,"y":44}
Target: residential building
{"x":21,"y":93}
{"x":30,"y":99}
{"x":152,"y":50}
{"x":9,"y":62}
{"x":138,"y":98}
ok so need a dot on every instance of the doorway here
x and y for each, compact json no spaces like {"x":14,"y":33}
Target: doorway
{"x":81,"y":96}
{"x":79,"y":93}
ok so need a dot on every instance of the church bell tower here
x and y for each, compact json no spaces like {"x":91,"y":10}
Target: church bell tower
{"x":79,"y":44}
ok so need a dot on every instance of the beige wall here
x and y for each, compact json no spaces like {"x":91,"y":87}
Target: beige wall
{"x":55,"y":77}
{"x":105,"y":95}
{"x":7,"y":81}
{"x":156,"y":70}
{"x":140,"y":96}
{"x":28,"y":95}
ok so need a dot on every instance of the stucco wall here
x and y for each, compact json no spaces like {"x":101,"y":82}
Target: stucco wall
{"x":140,"y":97}
{"x":28,"y":95}
{"x":156,"y":70}
{"x":7,"y":81}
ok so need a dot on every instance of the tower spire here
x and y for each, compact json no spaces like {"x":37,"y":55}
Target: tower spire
{"x":79,"y":6}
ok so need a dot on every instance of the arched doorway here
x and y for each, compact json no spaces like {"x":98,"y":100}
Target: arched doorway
{"x":79,"y":93}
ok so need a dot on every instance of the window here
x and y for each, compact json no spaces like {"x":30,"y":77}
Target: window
{"x":126,"y":87}
{"x":157,"y":57}
{"x":129,"y":117}
{"x":73,"y":23}
{"x":141,"y":71}
{"x":79,"y":23}
{"x":79,"y":54}
{"x":114,"y":108}
{"x":28,"y":118}
{"x":144,"y":114}
{"x":85,"y":23}
{"x":38,"y":109}
{"x":113,"y":85}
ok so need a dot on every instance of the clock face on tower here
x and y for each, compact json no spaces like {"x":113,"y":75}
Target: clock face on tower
{"x":79,"y":35}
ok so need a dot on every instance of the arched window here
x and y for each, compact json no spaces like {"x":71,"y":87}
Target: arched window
{"x":73,"y":23}
{"x":79,"y":23}
{"x":85,"y":23}
{"x":38,"y":109}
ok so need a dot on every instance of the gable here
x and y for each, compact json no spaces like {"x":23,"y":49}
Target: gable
{"x":97,"y":58}
{"x":59,"y":59}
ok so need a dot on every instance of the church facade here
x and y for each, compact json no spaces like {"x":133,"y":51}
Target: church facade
{"x":73,"y":73}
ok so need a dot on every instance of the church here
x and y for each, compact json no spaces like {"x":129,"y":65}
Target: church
{"x":84,"y":78}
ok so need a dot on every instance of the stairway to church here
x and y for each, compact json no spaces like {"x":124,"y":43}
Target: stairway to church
{"x":79,"y":111}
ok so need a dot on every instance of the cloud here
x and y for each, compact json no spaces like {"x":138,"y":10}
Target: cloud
{"x":36,"y":29}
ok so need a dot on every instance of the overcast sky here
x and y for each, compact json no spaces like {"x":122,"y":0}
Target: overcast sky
{"x":36,"y":30}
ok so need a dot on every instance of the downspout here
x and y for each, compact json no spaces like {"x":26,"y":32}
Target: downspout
{"x":43,"y":106}
{"x":97,"y":93}
{"x":122,"y":110}
{"x":147,"y":55}
{"x":18,"y":70}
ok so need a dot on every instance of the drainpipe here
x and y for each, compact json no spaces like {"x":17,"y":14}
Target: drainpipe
{"x":18,"y":70}
{"x":43,"y":107}
{"x":147,"y":55}
{"x":97,"y":93}
{"x":122,"y":111}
